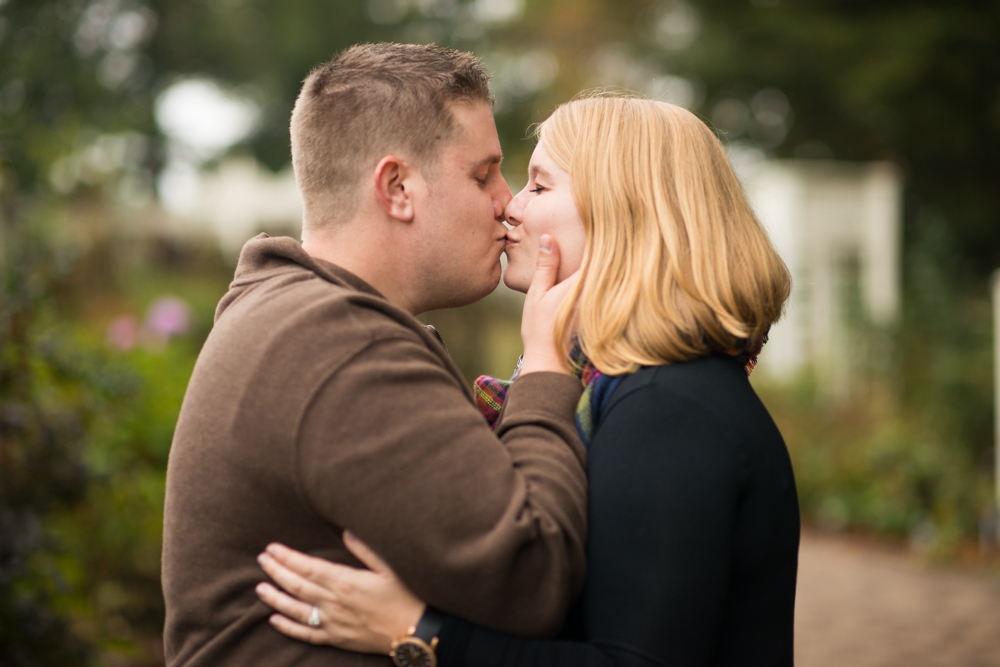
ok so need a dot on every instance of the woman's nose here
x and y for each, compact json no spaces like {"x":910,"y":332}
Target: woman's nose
{"x":512,"y":214}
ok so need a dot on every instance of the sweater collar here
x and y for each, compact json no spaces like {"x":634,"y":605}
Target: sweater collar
{"x":263,"y":255}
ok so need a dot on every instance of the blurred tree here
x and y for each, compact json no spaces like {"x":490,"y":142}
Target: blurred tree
{"x":909,"y":81}
{"x":51,"y":103}
{"x":40,"y":471}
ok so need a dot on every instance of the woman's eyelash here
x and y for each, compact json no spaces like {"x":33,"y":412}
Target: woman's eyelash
{"x":537,"y":190}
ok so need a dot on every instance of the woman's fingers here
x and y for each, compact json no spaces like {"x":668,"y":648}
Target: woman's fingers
{"x":364,"y":553}
{"x":360,"y":610}
{"x":311,"y":568}
{"x":338,"y":625}
{"x":293,"y":582}
{"x":541,"y":306}
{"x":562,"y":289}
{"x":323,"y":572}
{"x":547,"y":265}
{"x":298,"y":631}
{"x":283,"y":603}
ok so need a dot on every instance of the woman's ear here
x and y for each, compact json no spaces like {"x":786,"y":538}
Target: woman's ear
{"x":393,"y":187}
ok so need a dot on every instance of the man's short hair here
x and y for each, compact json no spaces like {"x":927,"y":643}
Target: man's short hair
{"x":370,"y":101}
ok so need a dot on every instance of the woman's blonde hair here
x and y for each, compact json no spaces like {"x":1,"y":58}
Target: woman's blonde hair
{"x":675,"y":265}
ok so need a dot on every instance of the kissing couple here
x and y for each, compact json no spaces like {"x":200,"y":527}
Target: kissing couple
{"x":337,"y":495}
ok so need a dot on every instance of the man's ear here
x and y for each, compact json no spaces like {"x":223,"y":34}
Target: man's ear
{"x":394,"y":187}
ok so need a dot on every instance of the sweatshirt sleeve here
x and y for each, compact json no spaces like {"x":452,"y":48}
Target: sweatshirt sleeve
{"x":664,"y":482}
{"x":393,"y":449}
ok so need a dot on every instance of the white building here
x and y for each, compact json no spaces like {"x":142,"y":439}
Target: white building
{"x":231,"y":204}
{"x":838,"y":227}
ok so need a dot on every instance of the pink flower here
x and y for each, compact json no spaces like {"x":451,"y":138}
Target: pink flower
{"x":168,"y":316}
{"x":123,"y":332}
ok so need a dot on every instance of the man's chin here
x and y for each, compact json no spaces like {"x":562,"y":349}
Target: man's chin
{"x":468,"y":295}
{"x":493,"y":284}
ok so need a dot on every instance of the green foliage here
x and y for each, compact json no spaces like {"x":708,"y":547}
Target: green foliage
{"x":84,"y":435}
{"x":111,"y":540}
{"x":910,"y":452}
{"x":41,"y":471}
{"x":51,"y":99}
{"x":881,"y":467}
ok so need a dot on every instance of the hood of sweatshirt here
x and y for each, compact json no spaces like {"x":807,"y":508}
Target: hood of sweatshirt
{"x":264,"y":257}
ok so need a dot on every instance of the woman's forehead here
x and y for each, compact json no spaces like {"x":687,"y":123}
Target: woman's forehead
{"x":542,"y":164}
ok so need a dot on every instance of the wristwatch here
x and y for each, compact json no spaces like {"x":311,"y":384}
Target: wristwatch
{"x":416,"y":647}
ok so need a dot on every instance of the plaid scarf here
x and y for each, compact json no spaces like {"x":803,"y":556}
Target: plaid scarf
{"x":491,"y":392}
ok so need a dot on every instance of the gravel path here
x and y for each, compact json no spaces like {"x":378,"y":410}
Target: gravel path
{"x":859,"y":606}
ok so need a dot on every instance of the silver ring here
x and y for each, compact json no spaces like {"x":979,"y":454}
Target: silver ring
{"x":314,"y":621}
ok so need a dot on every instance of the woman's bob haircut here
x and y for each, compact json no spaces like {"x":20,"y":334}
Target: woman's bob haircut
{"x":675,"y":266}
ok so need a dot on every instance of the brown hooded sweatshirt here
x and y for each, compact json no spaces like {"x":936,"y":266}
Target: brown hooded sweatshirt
{"x":316,"y":405}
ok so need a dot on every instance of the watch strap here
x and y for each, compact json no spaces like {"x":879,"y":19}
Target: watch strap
{"x":429,"y":625}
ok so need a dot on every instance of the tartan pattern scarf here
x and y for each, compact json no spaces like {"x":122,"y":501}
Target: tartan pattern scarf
{"x":491,"y":392}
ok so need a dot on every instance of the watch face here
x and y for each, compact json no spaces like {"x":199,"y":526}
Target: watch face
{"x":413,"y":654}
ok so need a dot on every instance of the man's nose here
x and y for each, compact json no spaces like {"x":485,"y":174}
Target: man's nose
{"x":502,"y":200}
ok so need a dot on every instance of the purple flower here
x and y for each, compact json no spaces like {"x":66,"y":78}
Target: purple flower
{"x":168,"y":316}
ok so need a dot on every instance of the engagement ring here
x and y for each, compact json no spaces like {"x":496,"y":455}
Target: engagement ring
{"x":314,"y":617}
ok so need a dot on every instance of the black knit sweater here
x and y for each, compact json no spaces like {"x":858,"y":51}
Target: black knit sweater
{"x":693,"y":538}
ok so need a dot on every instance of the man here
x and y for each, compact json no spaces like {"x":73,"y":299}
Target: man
{"x":319,"y":403}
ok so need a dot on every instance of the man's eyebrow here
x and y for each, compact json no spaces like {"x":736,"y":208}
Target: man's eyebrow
{"x":495,"y":158}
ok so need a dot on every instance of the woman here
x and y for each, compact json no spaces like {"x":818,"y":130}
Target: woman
{"x":693,"y":517}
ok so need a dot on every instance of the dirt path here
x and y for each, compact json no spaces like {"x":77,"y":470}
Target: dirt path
{"x":864,"y":607}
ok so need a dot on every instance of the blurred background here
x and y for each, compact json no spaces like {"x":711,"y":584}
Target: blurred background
{"x":142,"y":142}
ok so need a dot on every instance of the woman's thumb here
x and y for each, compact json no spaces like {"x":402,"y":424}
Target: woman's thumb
{"x":364,"y":553}
{"x":546,"y":266}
